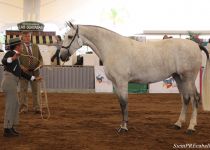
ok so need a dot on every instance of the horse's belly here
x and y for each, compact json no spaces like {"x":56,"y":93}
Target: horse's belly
{"x":150,"y":77}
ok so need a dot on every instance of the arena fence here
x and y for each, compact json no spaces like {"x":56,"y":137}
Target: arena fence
{"x":74,"y":79}
{"x":67,"y":78}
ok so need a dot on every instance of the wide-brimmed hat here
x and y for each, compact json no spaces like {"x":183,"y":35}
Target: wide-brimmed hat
{"x":14,"y":41}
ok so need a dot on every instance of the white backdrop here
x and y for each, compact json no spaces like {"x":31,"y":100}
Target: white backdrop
{"x":169,"y":86}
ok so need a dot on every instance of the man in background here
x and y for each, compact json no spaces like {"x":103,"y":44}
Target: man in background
{"x":58,"y":45}
{"x":30,"y":61}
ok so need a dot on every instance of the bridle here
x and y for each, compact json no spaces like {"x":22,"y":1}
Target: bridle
{"x":68,"y":47}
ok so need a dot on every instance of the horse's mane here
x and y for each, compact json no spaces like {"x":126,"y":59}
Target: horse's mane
{"x":101,"y":28}
{"x":110,"y":31}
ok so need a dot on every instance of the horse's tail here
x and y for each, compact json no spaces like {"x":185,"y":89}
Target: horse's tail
{"x":206,"y":82}
{"x":205,"y":50}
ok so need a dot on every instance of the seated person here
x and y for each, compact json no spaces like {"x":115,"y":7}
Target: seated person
{"x":167,"y":37}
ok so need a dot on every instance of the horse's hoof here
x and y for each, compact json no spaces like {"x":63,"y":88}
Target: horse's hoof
{"x":190,"y":132}
{"x":177,"y":127}
{"x":122,"y":130}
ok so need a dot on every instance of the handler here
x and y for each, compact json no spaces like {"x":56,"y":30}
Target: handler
{"x":11,"y":75}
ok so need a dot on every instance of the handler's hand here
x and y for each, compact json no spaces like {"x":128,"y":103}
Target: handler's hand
{"x":40,"y":66}
{"x":14,"y":57}
{"x":38,"y":78}
{"x":24,"y":68}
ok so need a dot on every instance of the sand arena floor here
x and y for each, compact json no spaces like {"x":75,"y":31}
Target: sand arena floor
{"x":88,"y":122}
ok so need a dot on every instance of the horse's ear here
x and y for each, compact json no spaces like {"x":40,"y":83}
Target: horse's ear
{"x":67,"y":24}
{"x":70,"y":25}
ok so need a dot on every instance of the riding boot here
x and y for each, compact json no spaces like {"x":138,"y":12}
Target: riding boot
{"x":9,"y":133}
{"x":14,"y":131}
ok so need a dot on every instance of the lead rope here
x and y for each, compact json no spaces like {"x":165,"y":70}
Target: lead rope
{"x":42,"y":105}
{"x":45,"y":92}
{"x":39,"y":61}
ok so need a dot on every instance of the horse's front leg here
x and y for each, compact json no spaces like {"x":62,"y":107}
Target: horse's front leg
{"x":122,"y":92}
{"x":124,"y":109}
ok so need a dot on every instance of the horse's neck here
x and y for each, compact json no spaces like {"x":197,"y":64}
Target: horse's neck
{"x":99,"y":39}
{"x":94,"y":48}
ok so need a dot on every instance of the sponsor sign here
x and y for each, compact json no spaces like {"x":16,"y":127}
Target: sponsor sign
{"x":30,"y":26}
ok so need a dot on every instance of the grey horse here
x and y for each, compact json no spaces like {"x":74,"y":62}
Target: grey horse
{"x":128,"y":60}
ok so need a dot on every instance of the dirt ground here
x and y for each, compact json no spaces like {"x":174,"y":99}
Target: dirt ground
{"x":89,"y":122}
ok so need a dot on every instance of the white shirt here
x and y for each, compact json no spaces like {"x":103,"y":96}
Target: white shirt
{"x":27,"y":48}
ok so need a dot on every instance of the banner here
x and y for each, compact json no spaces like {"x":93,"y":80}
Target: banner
{"x":102,"y":84}
{"x":90,"y":59}
{"x":165,"y":86}
{"x":169,"y":86}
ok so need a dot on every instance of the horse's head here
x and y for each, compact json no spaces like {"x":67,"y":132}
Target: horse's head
{"x":71,"y":42}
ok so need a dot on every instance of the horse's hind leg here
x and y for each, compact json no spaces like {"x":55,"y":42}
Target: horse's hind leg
{"x":185,"y":102}
{"x":189,"y":93}
{"x":182,"y":116}
{"x":121,"y":89}
{"x":193,"y":120}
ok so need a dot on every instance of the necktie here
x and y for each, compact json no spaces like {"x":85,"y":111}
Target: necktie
{"x":30,"y":57}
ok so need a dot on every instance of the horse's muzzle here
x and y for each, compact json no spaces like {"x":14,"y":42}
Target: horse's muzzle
{"x":66,"y":58}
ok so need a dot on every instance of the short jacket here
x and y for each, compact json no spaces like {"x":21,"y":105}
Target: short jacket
{"x":14,"y":66}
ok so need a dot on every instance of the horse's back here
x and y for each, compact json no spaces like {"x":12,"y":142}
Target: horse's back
{"x":154,"y":61}
{"x":184,"y":54}
{"x":187,"y":54}
{"x":166,"y":57}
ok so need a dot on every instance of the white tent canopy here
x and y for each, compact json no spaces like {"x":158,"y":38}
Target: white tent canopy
{"x":45,"y":11}
{"x":132,"y":15}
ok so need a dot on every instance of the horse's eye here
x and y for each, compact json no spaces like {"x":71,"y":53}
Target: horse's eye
{"x":69,"y":36}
